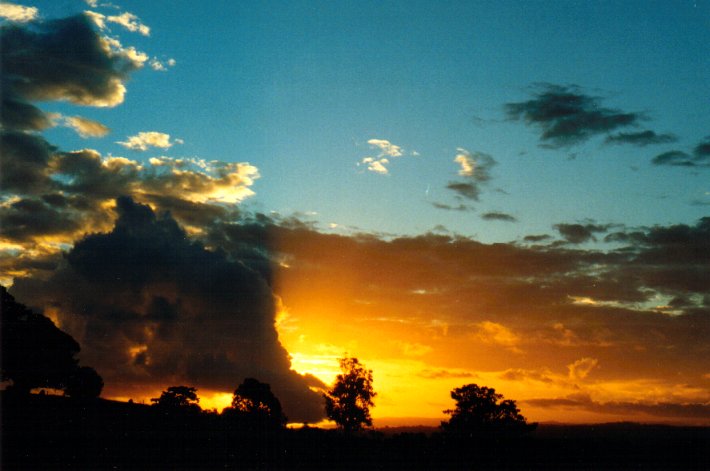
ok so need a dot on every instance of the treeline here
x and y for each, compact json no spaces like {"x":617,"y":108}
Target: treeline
{"x":54,"y":432}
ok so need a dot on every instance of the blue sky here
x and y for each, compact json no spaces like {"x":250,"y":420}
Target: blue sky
{"x":298,"y":88}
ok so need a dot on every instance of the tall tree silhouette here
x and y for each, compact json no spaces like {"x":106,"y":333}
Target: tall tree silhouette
{"x":480,"y":409}
{"x":254,"y":402}
{"x":348,"y":402}
{"x":36,"y":354}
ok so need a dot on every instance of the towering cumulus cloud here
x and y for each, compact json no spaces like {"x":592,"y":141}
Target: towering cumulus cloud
{"x":152,"y":308}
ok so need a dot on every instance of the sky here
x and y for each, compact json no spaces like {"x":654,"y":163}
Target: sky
{"x":502,"y":193}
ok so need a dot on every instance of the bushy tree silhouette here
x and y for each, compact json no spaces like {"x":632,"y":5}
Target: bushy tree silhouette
{"x":178,"y":399}
{"x":254,"y":402}
{"x":348,"y":402}
{"x":480,"y":409}
{"x":84,"y":383}
{"x":36,"y":354}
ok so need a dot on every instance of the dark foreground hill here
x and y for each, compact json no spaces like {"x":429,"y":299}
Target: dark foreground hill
{"x":46,"y":432}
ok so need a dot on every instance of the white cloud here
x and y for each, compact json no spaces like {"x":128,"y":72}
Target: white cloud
{"x":131,"y":22}
{"x":387,"y":150}
{"x":98,"y":19}
{"x":376,"y":165}
{"x":467,"y":163}
{"x":162,"y":66}
{"x":386,"y":147}
{"x":144,"y":140}
{"x":92,"y":3}
{"x":17,"y":13}
{"x":201,"y":181}
{"x":135,"y":58}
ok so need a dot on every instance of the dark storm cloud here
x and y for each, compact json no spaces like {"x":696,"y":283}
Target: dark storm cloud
{"x":62,"y":59}
{"x":641,"y":139}
{"x":39,"y":217}
{"x":149,"y":306}
{"x":498,"y":216}
{"x":24,"y":162}
{"x":19,"y":115}
{"x":567,"y":116}
{"x":579,"y":233}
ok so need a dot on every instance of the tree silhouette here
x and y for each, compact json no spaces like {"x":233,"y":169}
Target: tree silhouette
{"x":36,"y":354}
{"x":85,"y":383}
{"x":348,"y":402}
{"x":178,"y":399}
{"x":480,"y":409}
{"x":254,"y":402}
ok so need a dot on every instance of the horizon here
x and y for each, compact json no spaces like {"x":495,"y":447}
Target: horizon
{"x":471,"y":192}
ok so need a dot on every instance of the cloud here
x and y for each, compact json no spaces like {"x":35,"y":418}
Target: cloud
{"x":641,"y":139}
{"x":86,"y":127}
{"x":161,"y":66}
{"x":581,"y":368}
{"x":567,"y":116}
{"x":131,"y":22}
{"x":146,"y":139}
{"x":386,"y":147}
{"x":475,"y":170}
{"x":520,"y":374}
{"x":128,"y":20}
{"x":498,"y":216}
{"x":675,"y":158}
{"x":74,"y":189}
{"x":700,"y":156}
{"x":580,"y":233}
{"x":468,"y":190}
{"x":18,"y":13}
{"x":665,"y":409}
{"x":34,"y":70}
{"x":377,"y":166}
{"x":536,"y":238}
{"x":195,"y":316}
{"x":387,"y":151}
{"x":493,"y":332}
{"x":25,"y":159}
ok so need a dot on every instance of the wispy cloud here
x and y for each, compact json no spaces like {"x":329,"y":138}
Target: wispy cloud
{"x":498,"y":216}
{"x":641,"y":138}
{"x":86,"y":127}
{"x":568,"y":116}
{"x":700,"y":156}
{"x":128,"y":20}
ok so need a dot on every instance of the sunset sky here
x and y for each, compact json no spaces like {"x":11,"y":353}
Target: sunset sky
{"x":513,"y":194}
